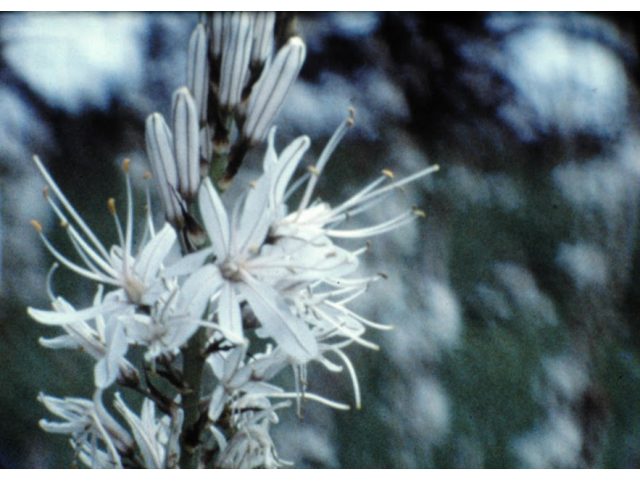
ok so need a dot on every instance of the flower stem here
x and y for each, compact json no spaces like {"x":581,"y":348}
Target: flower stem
{"x":193,"y":365}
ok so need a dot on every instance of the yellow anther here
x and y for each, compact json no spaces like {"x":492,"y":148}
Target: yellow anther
{"x":125,"y":165}
{"x":313,"y":170}
{"x":389,"y":173}
{"x":147,"y":175}
{"x":36,"y":225}
{"x":111,"y":205}
{"x":419,"y":212}
{"x":64,"y":224}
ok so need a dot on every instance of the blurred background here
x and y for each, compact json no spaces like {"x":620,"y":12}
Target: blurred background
{"x":516,"y":302}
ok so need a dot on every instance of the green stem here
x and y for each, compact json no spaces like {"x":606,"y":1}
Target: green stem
{"x":193,"y":365}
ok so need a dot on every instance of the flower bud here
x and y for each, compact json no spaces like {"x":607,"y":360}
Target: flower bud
{"x":186,"y":145}
{"x":263,"y":25}
{"x":198,"y":70}
{"x":160,"y":152}
{"x":269,"y":93}
{"x":236,"y":51}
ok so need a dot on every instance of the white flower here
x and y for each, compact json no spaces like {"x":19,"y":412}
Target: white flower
{"x":101,"y":336}
{"x":156,"y":439}
{"x":236,"y":274}
{"x":94,"y":431}
{"x":137,"y":277}
{"x":171,"y":320}
{"x":251,"y":448}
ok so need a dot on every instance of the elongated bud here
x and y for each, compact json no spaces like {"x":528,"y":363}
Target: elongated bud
{"x":216,"y":27}
{"x":236,"y":51}
{"x":262,"y":47}
{"x":163,"y":165}
{"x":186,"y":145}
{"x":198,"y":70}
{"x":269,"y":93}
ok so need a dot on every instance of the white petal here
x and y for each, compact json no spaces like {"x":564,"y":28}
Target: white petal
{"x":59,"y":342}
{"x":229,"y":316}
{"x":107,"y":369}
{"x":255,"y":219}
{"x":198,"y":290}
{"x":287,"y":164}
{"x":217,"y":403}
{"x":154,"y":253}
{"x":289,"y":331}
{"x":58,"y":318}
{"x":146,"y":442}
{"x":188,"y":264}
{"x":215,"y":219}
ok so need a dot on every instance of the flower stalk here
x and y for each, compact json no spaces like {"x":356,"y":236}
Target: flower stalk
{"x":222,"y":298}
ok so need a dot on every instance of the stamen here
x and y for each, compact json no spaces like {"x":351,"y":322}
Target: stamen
{"x":129,"y":229}
{"x":67,"y":205}
{"x":354,"y":376}
{"x":322,"y":161}
{"x":125,"y":165}
{"x":314,"y":397}
{"x":49,"y":282}
{"x":73,"y":266}
{"x":111,"y":204}
{"x":373,"y":230}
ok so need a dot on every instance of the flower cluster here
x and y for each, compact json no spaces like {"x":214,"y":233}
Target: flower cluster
{"x":223,"y":297}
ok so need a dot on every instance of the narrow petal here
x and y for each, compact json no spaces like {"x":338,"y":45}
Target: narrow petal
{"x":289,"y":331}
{"x":62,"y":318}
{"x":59,"y":342}
{"x":287,"y":164}
{"x":154,"y":253}
{"x":188,"y":264}
{"x":255,"y":218}
{"x":198,"y":289}
{"x":214,"y":217}
{"x":148,"y":446}
{"x":229,"y":315}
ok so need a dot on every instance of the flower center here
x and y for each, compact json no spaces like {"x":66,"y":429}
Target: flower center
{"x":230,"y":270}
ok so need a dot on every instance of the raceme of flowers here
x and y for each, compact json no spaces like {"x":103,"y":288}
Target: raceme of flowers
{"x":222,"y":297}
